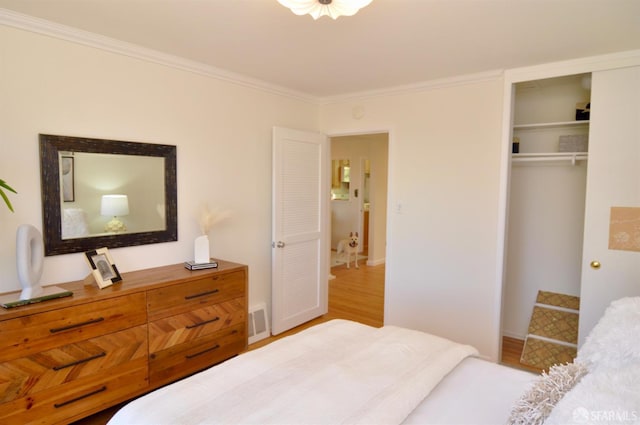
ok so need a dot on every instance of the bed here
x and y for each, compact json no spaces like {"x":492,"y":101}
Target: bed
{"x":346,"y":372}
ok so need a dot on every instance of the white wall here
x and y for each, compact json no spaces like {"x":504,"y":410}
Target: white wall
{"x":546,"y":223}
{"x":444,"y":163}
{"x":222,"y":132}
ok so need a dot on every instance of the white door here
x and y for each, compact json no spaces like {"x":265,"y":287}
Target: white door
{"x":613,"y":180}
{"x":300,"y":218}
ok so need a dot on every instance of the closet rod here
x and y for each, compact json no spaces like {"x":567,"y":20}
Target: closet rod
{"x":547,"y":157}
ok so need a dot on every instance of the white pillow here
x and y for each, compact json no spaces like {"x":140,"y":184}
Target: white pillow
{"x":604,"y":396}
{"x":615,"y":340}
{"x":537,"y":402}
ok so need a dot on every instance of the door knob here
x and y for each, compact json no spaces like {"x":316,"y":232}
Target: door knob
{"x":280,"y":244}
{"x":595,"y":264}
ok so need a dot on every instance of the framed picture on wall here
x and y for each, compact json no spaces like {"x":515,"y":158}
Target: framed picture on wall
{"x":103,"y":268}
{"x":68,"y":189}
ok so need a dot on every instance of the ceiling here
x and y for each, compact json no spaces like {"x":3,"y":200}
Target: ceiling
{"x":388,"y":44}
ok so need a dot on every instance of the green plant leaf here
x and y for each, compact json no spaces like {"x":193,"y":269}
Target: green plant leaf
{"x":4,"y":185}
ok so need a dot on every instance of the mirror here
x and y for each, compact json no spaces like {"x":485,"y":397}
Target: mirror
{"x":340,"y":179}
{"x":106,"y":193}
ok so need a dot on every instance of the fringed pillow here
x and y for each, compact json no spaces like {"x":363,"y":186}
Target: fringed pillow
{"x":536,"y":404}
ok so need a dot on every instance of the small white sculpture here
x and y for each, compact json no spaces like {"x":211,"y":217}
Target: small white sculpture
{"x":206,"y":220}
{"x":29,"y":259}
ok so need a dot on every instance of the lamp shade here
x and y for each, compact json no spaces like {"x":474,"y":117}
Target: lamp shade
{"x":318,"y":8}
{"x":114,"y":205}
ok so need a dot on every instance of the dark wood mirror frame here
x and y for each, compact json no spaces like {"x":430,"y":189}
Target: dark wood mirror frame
{"x":51,"y":145}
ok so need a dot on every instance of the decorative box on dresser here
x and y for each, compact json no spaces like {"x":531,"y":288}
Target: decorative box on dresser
{"x":64,"y":359}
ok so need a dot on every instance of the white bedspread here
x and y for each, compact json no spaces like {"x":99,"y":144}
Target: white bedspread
{"x":336,"y":372}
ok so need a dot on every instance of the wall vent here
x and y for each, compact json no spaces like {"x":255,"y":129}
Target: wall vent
{"x":258,"y":323}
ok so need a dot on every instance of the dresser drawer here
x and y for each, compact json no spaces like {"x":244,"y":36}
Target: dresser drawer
{"x":185,"y":359}
{"x":28,"y":335}
{"x":173,"y":330}
{"x":177,"y":299}
{"x":37,"y":372}
{"x":64,"y":360}
{"x":89,"y":394}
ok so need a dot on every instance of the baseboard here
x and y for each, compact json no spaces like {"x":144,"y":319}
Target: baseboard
{"x":514,"y":335}
{"x":375,"y":262}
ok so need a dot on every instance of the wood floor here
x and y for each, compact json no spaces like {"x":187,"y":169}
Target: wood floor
{"x":511,"y":352}
{"x":355,"y":294}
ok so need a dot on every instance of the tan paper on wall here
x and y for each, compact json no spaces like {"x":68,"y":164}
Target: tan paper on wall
{"x":624,"y":228}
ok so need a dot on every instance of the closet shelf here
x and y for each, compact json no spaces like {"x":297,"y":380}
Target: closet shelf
{"x":549,"y":157}
{"x":551,"y":125}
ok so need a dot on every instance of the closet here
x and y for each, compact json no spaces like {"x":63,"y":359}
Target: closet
{"x":564,"y":194}
{"x":546,"y":213}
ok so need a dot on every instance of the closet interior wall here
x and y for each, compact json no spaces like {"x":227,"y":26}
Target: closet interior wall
{"x":546,"y":198}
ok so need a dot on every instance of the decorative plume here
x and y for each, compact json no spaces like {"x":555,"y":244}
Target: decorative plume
{"x":208,"y":218}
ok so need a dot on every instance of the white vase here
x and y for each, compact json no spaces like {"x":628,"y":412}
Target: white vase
{"x":201,"y":249}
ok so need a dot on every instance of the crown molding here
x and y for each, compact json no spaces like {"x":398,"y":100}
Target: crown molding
{"x":545,"y":70}
{"x":86,"y":38}
{"x":573,"y":66}
{"x":440,"y":83}
{"x":41,"y":26}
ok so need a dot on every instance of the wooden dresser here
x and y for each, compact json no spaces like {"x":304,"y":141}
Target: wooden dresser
{"x":64,"y":359}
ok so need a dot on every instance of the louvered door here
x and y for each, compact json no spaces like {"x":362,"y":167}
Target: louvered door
{"x":300,"y":219}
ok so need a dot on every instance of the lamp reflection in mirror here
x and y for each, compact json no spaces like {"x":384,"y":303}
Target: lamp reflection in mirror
{"x":114,"y":206}
{"x":318,"y":8}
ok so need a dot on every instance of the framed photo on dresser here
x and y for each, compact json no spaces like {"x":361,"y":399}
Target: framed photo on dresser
{"x":102,"y":267}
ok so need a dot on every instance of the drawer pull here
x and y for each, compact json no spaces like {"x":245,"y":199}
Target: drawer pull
{"x":190,"y":356}
{"x":77,"y":325}
{"x":201,"y":294}
{"x":195,"y":325}
{"x":73,"y":400}
{"x":77,"y":362}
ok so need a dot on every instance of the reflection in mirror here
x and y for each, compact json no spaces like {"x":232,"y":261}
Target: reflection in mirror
{"x":97,"y":178}
{"x":340,"y":179}
{"x":79,"y":180}
{"x":367,"y":184}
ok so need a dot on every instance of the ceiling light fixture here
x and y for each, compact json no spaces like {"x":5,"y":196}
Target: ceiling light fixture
{"x":318,"y":8}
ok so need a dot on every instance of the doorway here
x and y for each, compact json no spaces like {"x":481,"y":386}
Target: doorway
{"x":359,"y":194}
{"x":546,"y":206}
